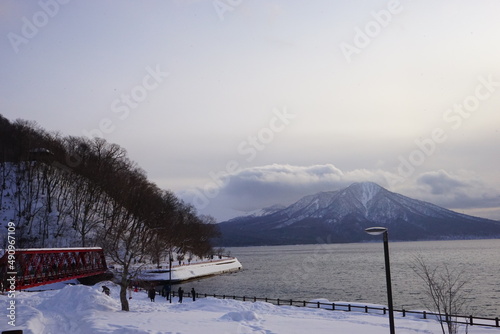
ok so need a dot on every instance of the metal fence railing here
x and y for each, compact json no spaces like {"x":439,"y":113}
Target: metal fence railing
{"x":460,"y":319}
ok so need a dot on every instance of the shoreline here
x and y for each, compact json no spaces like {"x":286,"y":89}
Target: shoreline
{"x":188,"y":272}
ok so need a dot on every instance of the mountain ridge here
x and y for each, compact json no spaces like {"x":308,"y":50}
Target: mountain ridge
{"x":343,"y":214}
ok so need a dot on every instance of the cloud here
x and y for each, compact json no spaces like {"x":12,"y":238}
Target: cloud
{"x":282,"y":184}
{"x":462,"y":190}
{"x":258,"y":187}
{"x":440,"y":182}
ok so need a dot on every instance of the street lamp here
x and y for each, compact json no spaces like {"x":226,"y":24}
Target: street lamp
{"x":170,"y":259}
{"x":378,"y":231}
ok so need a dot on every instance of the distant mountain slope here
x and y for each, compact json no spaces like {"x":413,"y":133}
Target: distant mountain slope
{"x":342,"y":216}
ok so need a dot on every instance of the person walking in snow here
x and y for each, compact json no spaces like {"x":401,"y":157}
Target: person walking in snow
{"x":181,"y":293}
{"x":166,"y":291}
{"x":152,"y":294}
{"x":193,"y":294}
{"x":169,"y":293}
{"x":105,"y":289}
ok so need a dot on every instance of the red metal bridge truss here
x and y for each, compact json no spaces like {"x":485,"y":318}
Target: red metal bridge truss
{"x":34,"y":267}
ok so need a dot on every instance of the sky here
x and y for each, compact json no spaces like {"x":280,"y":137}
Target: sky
{"x":237,"y":105}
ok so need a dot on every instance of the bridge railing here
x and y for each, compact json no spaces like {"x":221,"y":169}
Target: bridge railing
{"x":34,"y":267}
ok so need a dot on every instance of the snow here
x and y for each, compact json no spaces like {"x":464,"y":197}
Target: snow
{"x":54,"y":286}
{"x":82,"y":309}
{"x":195,"y":270}
{"x":48,"y":249}
{"x":368,"y":191}
{"x":265,"y":211}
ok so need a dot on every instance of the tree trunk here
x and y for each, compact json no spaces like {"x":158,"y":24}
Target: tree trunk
{"x":123,"y":291}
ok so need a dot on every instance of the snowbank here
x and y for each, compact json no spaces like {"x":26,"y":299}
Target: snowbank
{"x":83,"y":310}
{"x":194,"y":270}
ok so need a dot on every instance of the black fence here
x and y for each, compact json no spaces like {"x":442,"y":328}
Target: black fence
{"x":459,"y":319}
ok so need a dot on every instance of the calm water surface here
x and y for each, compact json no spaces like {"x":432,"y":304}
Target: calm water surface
{"x":355,"y":272}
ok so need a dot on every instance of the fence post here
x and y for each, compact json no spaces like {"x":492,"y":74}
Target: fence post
{"x":496,"y":322}
{"x":223,"y":296}
{"x":266,"y":299}
{"x":333,"y":306}
{"x":425,"y":315}
{"x":471,"y":320}
{"x":349,"y":307}
{"x":291,"y":302}
{"x":318,"y":304}
{"x":366,"y":309}
{"x":254,"y":299}
{"x":385,"y":310}
{"x":244,"y":298}
{"x":404,"y":313}
{"x":278,"y":301}
{"x":304,"y":302}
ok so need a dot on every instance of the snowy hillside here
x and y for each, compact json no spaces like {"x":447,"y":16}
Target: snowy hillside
{"x":265,"y":211}
{"x":38,"y":199}
{"x":342,"y":216}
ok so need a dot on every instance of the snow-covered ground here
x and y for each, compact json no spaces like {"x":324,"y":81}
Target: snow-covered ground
{"x":193,"y":270}
{"x":86,"y":310}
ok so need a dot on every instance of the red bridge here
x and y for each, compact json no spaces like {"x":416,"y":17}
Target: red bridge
{"x":34,"y":267}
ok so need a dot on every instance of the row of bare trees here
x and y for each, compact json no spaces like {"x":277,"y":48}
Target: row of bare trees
{"x":75,"y":191}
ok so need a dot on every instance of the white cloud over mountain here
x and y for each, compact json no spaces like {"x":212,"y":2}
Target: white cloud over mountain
{"x":258,"y":187}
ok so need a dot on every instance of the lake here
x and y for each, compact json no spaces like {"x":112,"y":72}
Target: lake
{"x":356,"y":272}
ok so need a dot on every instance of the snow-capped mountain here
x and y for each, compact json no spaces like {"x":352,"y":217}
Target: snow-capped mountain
{"x":342,"y":216}
{"x":265,"y":211}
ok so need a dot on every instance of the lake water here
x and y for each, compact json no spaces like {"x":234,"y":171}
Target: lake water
{"x":355,"y":272}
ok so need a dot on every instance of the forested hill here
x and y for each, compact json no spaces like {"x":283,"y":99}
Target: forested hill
{"x":75,"y":191}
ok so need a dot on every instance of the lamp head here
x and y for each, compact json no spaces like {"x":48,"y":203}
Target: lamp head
{"x":376,"y":230}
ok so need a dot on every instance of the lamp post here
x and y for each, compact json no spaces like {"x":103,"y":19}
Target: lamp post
{"x":378,"y":231}
{"x":170,"y":277}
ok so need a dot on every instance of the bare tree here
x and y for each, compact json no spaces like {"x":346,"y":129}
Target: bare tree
{"x":86,"y":197}
{"x":447,"y":292}
{"x":127,"y":235}
{"x":220,"y":252}
{"x":26,"y":199}
{"x":126,"y":243}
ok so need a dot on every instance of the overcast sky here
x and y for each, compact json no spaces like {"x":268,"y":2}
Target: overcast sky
{"x":236,"y":105}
